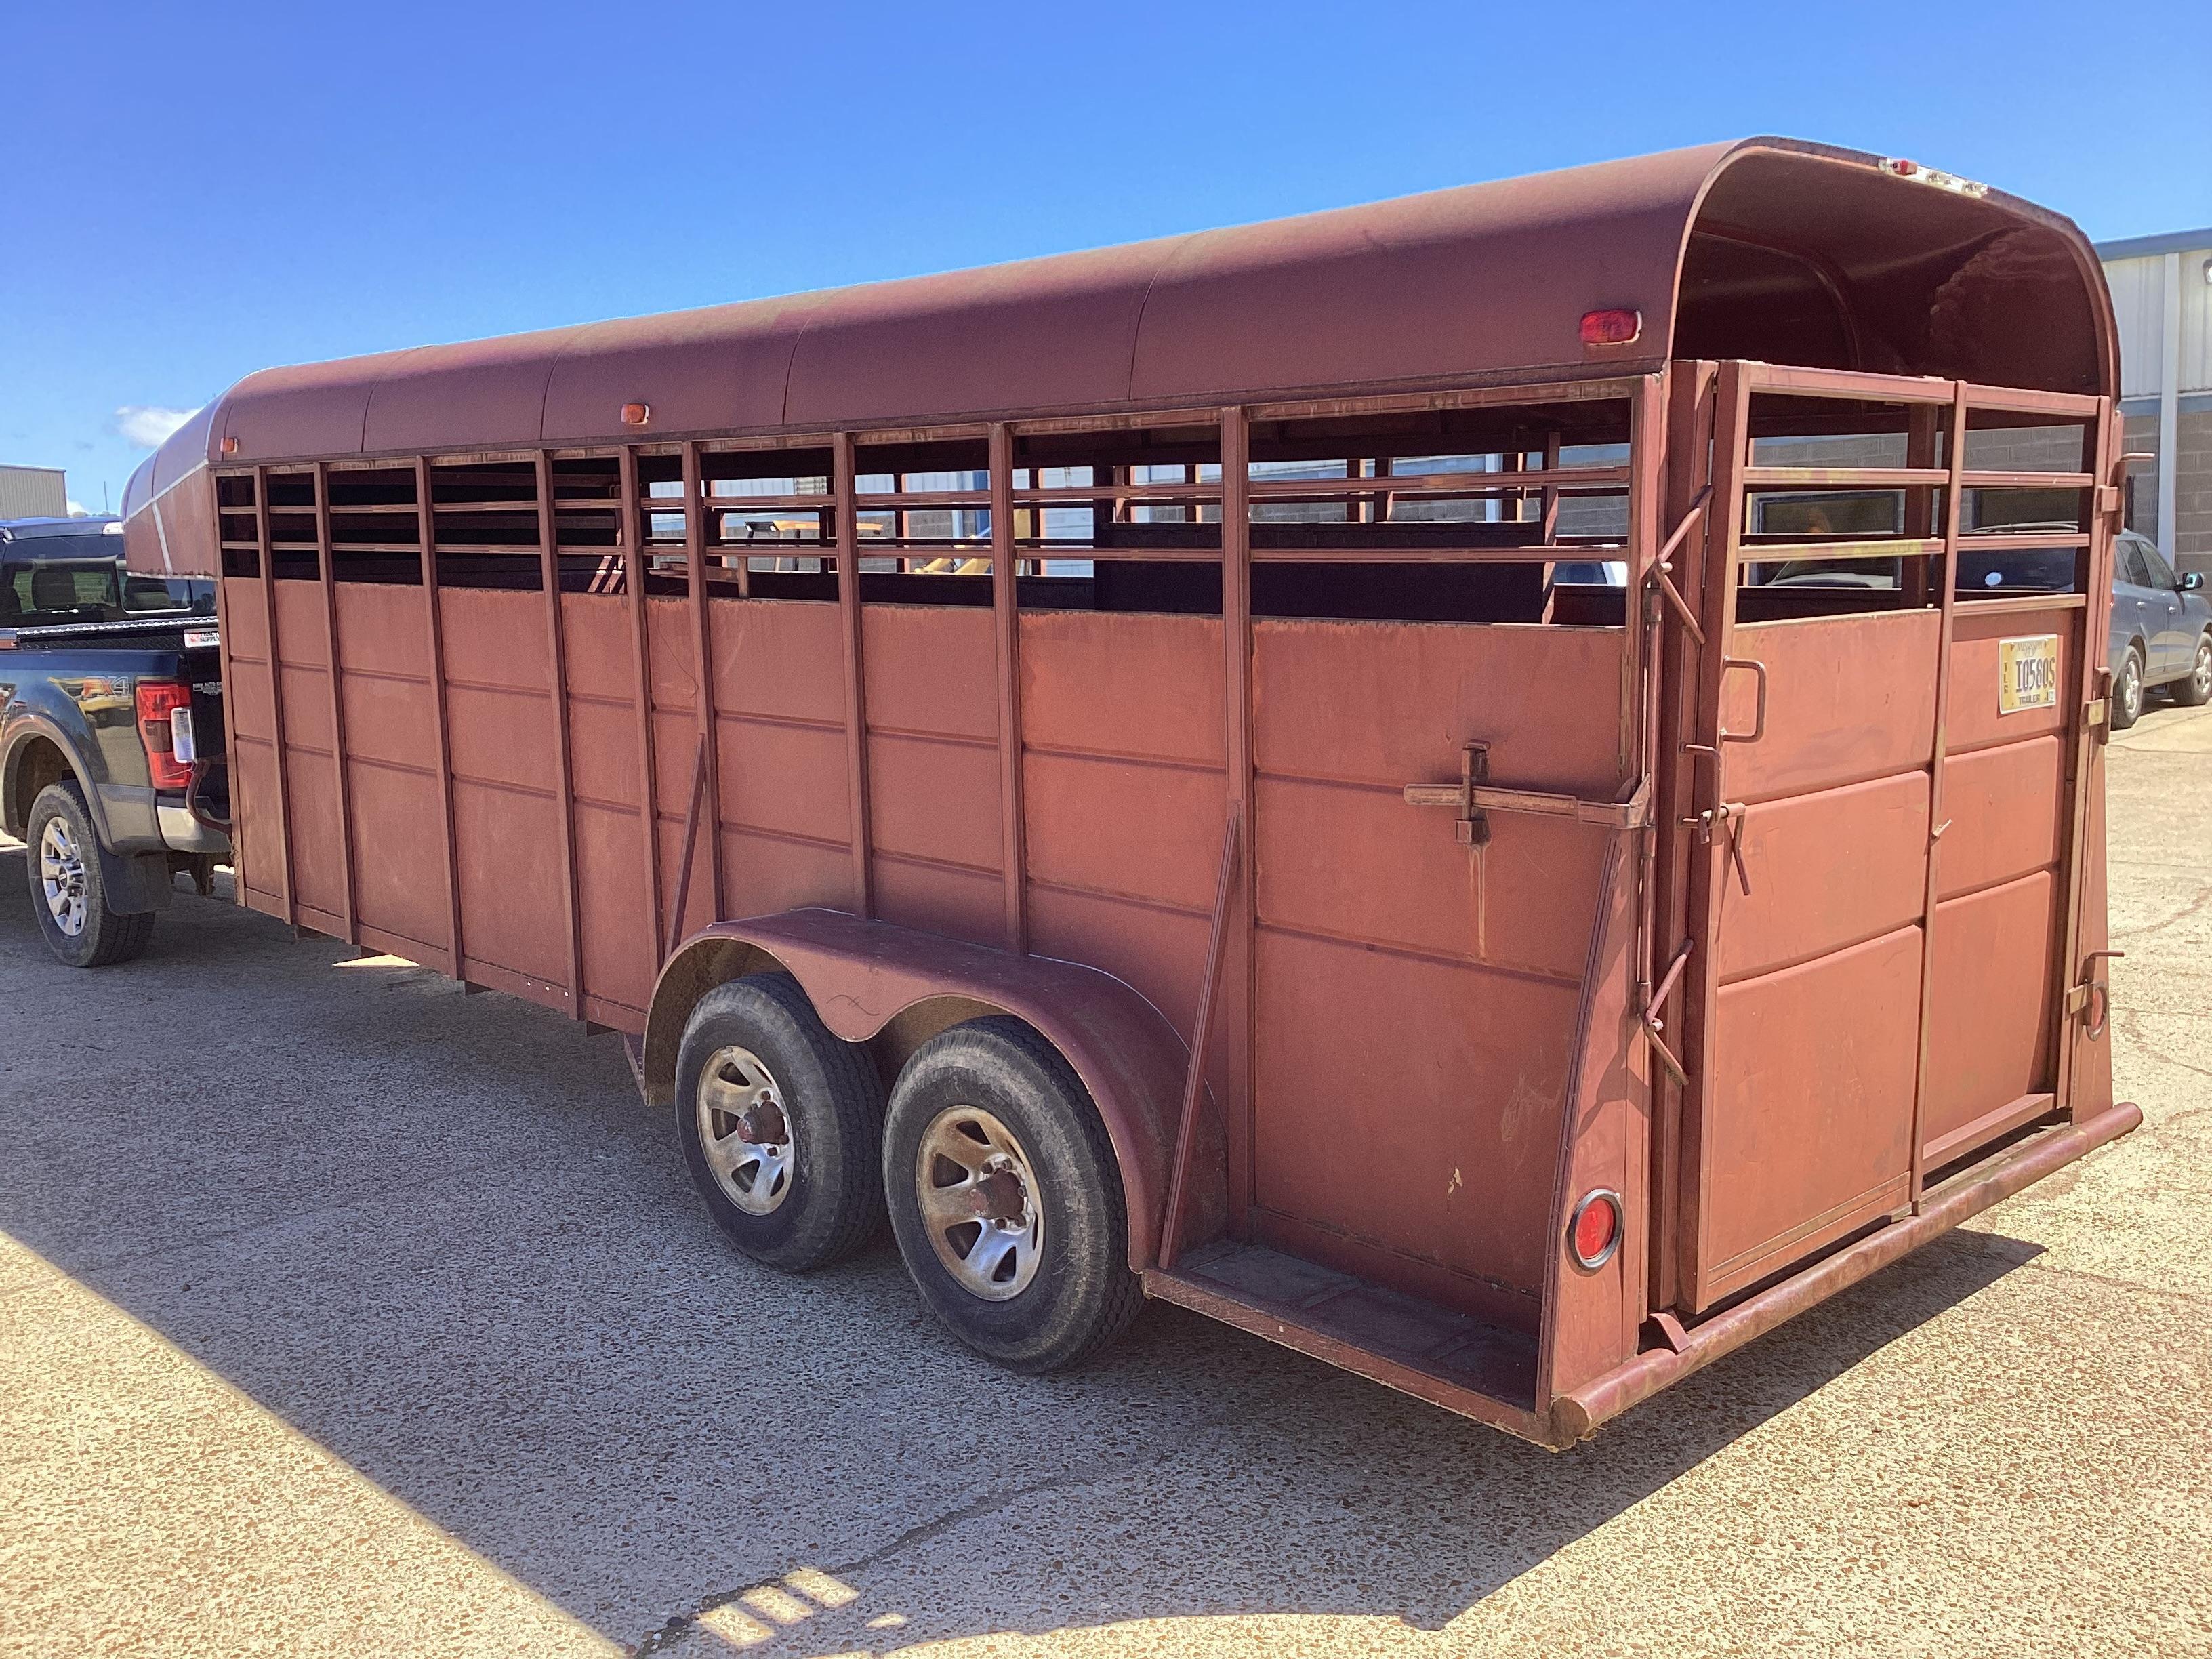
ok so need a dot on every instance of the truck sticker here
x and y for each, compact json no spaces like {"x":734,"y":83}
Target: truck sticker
{"x":2027,"y":673}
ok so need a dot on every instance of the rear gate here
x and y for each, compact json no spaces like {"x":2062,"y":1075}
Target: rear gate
{"x":1836,"y":828}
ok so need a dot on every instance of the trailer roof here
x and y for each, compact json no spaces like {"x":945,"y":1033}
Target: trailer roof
{"x":1485,"y":280}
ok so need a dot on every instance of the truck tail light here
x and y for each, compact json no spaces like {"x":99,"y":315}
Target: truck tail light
{"x":1594,"y":1233}
{"x":165,"y":717}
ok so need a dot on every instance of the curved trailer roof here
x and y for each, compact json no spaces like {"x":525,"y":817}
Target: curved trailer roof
{"x":1720,"y":249}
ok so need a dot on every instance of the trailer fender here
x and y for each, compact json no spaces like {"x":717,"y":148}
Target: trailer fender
{"x":893,"y":988}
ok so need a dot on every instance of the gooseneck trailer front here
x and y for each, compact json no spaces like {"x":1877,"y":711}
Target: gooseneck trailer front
{"x":1416,"y":780}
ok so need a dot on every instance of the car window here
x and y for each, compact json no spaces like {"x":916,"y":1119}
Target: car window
{"x":59,"y":590}
{"x":2129,"y":565}
{"x":2158,"y":572}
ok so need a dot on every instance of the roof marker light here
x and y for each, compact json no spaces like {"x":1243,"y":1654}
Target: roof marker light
{"x":636,"y":414}
{"x":230,"y":445}
{"x":1614,"y":327}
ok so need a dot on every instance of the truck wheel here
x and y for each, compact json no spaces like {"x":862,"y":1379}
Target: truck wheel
{"x":780,"y":1123}
{"x":67,"y":891}
{"x":2128,"y":691}
{"x":1006,"y":1198}
{"x":2196,"y":691}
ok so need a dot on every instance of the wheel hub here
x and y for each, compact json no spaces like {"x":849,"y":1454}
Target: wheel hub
{"x":62,"y":878}
{"x":744,"y":1132}
{"x":979,"y":1197}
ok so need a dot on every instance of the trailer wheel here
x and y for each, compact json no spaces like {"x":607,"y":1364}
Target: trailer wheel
{"x":68,"y":891}
{"x":780,"y":1123}
{"x":1006,"y":1197}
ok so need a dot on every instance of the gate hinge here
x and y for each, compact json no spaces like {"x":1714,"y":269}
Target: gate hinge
{"x":2093,"y":993}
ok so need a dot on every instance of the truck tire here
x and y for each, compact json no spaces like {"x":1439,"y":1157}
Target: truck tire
{"x":1006,"y":1198}
{"x":2195,"y":690}
{"x":68,"y":892}
{"x":780,"y":1123}
{"x":2128,"y":691}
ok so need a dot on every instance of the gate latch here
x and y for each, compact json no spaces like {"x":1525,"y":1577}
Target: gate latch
{"x":2094,"y":992}
{"x":1472,"y":828}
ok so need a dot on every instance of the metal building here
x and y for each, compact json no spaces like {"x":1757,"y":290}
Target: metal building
{"x":2162,"y":296}
{"x":33,"y":492}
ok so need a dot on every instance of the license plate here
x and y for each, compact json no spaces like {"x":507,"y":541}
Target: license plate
{"x":2027,"y":673}
{"x":202,"y":639}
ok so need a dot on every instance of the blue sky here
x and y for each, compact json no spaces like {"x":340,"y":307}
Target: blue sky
{"x":193,"y":192}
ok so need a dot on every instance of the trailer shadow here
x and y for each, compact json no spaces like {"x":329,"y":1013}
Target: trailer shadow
{"x":437,"y":1235}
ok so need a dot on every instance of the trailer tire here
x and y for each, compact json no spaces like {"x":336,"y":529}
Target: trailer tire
{"x":62,"y":852}
{"x":780,"y":1123}
{"x":990,"y":1115}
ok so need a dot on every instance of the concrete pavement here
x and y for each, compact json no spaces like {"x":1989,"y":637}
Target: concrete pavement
{"x":387,"y":1323}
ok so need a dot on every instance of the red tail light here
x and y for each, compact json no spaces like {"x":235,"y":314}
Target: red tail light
{"x":1611,"y":327}
{"x":165,"y":713}
{"x":1594,"y":1234}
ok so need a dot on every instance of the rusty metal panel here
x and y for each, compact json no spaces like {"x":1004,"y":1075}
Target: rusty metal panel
{"x":1808,"y":1131}
{"x":1992,"y":1020}
{"x":2006,"y":810}
{"x":959,"y":903}
{"x":1828,"y":870}
{"x":1524,"y":900}
{"x":481,"y":394}
{"x":1849,"y":698}
{"x":768,"y":656}
{"x":619,"y":955}
{"x":1391,"y":704}
{"x":936,"y":799}
{"x":507,"y":845}
{"x":1457,"y":1171}
{"x":1131,"y":828}
{"x":400,"y":836}
{"x":1113,"y":684}
{"x":380,"y":630}
{"x":1974,"y":719}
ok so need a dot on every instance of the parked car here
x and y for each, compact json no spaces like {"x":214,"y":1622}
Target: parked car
{"x":111,"y":733}
{"x":2162,"y":635}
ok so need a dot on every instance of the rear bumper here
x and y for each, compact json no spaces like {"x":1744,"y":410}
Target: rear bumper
{"x":1576,"y":1414}
{"x":183,"y":833}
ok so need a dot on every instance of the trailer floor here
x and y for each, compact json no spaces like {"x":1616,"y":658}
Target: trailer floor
{"x":341,"y":1314}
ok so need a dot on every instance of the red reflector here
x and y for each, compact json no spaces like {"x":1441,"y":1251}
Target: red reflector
{"x":1611,"y":327}
{"x":1596,"y":1230}
{"x":158,"y":700}
{"x":636,"y":414}
{"x":230,"y":445}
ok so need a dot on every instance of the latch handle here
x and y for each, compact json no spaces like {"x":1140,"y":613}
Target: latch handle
{"x":1758,"y":714}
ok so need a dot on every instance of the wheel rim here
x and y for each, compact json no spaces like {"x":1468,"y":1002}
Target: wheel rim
{"x":2132,"y":688}
{"x":980,"y":1202}
{"x":61,"y":877}
{"x":745,"y":1131}
{"x":2201,"y":680}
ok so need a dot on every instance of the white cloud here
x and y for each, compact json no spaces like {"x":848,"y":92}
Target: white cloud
{"x":78,"y":510}
{"x":149,"y":425}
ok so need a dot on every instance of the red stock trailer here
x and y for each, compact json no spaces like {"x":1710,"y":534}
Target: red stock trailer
{"x":1422,"y":781}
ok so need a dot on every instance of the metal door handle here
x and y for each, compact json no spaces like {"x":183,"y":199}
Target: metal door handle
{"x":1758,"y":714}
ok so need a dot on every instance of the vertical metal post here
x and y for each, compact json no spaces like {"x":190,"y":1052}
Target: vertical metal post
{"x":557,"y":659}
{"x":702,"y":632}
{"x":426,"y":529}
{"x":241,"y":870}
{"x":266,"y":553}
{"x":1709,"y":862}
{"x":627,"y":525}
{"x":1647,"y":450}
{"x":1947,"y":574}
{"x":1689,"y":474}
{"x":844,"y":485}
{"x":1006,"y":627}
{"x":328,"y":576}
{"x":1237,"y":688}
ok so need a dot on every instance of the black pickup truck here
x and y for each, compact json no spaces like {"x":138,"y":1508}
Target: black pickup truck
{"x":110,"y":734}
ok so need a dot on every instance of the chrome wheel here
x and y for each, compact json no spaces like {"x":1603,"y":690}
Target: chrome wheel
{"x":745,"y":1131}
{"x":2200,"y":679}
{"x":2131,"y":690}
{"x":979,"y":1200}
{"x":61,"y":877}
